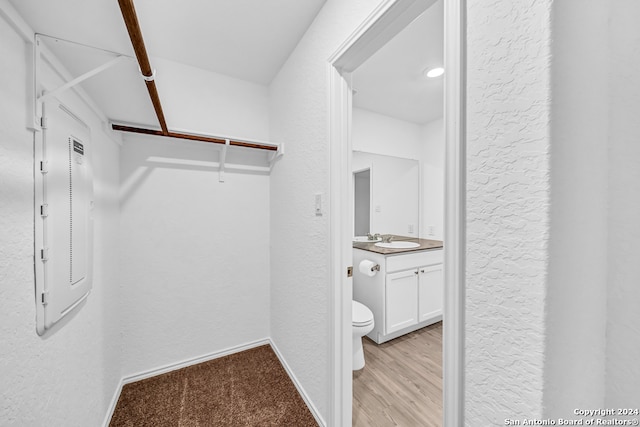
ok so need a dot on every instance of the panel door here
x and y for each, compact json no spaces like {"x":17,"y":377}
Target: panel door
{"x":401,"y":300}
{"x":430,"y":291}
{"x":66,"y":244}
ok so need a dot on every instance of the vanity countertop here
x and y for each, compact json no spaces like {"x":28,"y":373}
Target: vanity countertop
{"x":425,"y":244}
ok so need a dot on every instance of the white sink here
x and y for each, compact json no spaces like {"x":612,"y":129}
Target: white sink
{"x":398,"y":244}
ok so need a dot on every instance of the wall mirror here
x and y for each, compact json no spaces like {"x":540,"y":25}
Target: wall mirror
{"x":386,"y":194}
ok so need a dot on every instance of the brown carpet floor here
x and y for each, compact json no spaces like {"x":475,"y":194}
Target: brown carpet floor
{"x":250,"y":388}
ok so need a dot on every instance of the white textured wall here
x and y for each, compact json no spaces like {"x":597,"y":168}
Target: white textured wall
{"x":198,"y":100}
{"x":195,"y":254}
{"x":195,"y":251}
{"x":68,"y":376}
{"x":508,"y":185}
{"x":576,"y":298}
{"x":432,"y":180}
{"x":623,"y":322}
{"x":380,"y":134}
{"x":300,"y":258}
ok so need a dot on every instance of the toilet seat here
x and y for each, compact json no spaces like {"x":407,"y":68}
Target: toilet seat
{"x":361,"y":316}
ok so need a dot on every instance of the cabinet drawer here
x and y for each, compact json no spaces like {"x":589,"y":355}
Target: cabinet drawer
{"x":406,"y":261}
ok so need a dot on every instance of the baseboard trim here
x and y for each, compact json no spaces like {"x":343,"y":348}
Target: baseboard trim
{"x":193,"y":361}
{"x":305,"y":397}
{"x":112,"y":405}
{"x":179,"y":365}
{"x":384,"y":338}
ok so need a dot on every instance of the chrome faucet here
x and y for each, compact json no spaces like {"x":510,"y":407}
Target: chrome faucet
{"x":387,"y":238}
{"x":373,"y":237}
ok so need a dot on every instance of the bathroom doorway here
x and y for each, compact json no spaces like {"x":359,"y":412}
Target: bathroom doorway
{"x":387,"y":21}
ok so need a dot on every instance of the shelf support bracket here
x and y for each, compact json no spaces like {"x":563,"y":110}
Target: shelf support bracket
{"x":82,"y":78}
{"x":223,"y":159}
{"x":276,"y":155}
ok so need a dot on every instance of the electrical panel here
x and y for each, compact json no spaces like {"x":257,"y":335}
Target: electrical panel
{"x":64,"y":222}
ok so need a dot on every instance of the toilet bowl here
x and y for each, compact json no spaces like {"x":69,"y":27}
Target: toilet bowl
{"x":362,"y":324}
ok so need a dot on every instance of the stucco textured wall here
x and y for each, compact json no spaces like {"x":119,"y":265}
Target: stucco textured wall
{"x":300,"y":257}
{"x":68,"y":376}
{"x":508,"y":187}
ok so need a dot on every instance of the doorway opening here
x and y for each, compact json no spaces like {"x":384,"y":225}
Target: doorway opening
{"x":387,"y":21}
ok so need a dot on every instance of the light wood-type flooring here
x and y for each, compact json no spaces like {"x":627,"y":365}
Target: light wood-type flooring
{"x":401,"y":383}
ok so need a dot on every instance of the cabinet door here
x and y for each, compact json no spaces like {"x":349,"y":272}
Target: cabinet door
{"x":401,"y":309}
{"x":430,"y":291}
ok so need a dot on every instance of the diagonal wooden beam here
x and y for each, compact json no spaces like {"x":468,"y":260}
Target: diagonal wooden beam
{"x":135,"y":34}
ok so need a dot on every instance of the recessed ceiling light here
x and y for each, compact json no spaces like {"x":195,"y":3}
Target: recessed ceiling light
{"x":434,"y":72}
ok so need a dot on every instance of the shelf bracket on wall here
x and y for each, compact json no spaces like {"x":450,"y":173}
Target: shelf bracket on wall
{"x":276,"y":155}
{"x":43,"y":55}
{"x":81,"y":78}
{"x":223,"y":159}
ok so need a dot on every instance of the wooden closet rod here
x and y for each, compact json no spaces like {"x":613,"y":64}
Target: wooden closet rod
{"x":135,"y":34}
{"x":192,"y":137}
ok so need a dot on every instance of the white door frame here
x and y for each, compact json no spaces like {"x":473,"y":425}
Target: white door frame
{"x":388,"y":19}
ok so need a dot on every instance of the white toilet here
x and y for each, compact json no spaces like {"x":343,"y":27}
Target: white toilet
{"x":362,"y":321}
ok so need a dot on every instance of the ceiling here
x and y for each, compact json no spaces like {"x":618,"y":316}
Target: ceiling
{"x":391,"y":81}
{"x":246,"y":39}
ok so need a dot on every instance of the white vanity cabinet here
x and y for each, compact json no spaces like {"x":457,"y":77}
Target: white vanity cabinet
{"x":401,"y":289}
{"x":405,"y":295}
